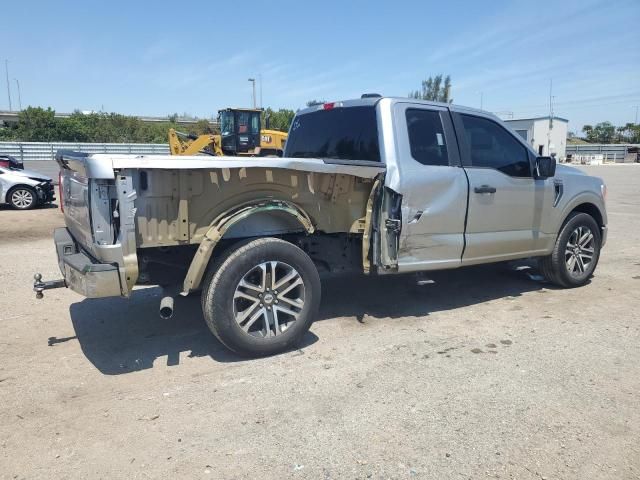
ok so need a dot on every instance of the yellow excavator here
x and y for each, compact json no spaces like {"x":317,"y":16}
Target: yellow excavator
{"x":240,"y":135}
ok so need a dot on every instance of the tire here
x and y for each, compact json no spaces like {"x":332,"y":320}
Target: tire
{"x":567,"y":265}
{"x":22,"y":198}
{"x":247,"y":314}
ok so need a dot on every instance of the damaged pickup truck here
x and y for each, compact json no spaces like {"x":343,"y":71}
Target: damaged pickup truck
{"x":374,"y":185}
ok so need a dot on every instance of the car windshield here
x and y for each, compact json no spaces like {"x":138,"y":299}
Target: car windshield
{"x":340,"y":133}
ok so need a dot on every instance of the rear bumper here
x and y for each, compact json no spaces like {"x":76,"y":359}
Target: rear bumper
{"x":83,"y":274}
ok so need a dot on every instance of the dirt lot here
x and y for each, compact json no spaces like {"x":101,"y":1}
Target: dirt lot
{"x":485,"y":373}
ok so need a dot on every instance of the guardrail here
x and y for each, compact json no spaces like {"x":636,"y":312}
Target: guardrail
{"x":41,"y":151}
{"x":40,"y":156}
{"x":611,"y":152}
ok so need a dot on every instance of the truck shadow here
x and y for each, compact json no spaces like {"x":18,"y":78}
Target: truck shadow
{"x":120,"y":336}
{"x":397,"y":296}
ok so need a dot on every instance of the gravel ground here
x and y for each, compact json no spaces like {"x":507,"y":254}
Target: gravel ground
{"x":485,"y":373}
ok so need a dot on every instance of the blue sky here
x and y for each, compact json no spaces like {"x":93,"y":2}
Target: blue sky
{"x":196,"y":56}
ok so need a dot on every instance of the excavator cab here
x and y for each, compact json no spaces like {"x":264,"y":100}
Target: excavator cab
{"x":240,"y":130}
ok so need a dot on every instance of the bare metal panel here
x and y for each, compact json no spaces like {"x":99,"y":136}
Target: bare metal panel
{"x":179,"y":206}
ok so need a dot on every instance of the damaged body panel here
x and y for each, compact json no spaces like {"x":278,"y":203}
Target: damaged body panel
{"x":118,"y":205}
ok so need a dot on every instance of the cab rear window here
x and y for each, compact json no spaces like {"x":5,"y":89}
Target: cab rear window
{"x":341,"y":133}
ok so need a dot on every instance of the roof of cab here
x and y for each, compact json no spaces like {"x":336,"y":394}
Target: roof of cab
{"x":372,"y":101}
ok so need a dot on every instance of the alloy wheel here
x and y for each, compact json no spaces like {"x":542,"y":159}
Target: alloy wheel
{"x":22,"y":198}
{"x":268,"y":299}
{"x":579,"y":251}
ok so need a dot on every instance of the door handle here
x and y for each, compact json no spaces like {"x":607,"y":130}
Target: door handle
{"x":485,"y":189}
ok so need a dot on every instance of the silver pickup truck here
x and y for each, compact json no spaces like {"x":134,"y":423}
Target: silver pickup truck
{"x":374,"y":185}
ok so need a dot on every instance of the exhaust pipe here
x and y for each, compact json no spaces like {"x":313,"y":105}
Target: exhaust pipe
{"x":166,"y":307}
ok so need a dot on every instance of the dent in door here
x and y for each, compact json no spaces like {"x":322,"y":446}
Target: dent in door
{"x":435,"y":214}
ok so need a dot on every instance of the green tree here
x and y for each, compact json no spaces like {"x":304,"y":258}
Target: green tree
{"x":36,"y":124}
{"x":278,"y":120}
{"x":313,"y":103}
{"x":605,"y":132}
{"x":588,"y":132}
{"x":629,"y":133}
{"x":434,"y":89}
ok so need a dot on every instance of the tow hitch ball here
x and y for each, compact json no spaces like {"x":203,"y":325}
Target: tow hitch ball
{"x":39,"y":286}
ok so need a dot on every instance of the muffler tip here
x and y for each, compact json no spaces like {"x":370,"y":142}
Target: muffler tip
{"x":166,"y":308}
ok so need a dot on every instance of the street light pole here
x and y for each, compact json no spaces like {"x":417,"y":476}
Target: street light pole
{"x":253,"y":82}
{"x":6,"y":71}
{"x":19,"y":96}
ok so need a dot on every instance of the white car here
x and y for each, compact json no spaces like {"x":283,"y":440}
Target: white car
{"x":25,"y":189}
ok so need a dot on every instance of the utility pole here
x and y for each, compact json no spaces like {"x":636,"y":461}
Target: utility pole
{"x":253,"y":82}
{"x":260,"y":79}
{"x":636,"y":122}
{"x":6,"y":71}
{"x":551,"y":104}
{"x":19,"y":96}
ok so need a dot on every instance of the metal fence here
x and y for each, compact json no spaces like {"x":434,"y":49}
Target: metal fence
{"x":611,"y":152}
{"x":40,"y":156}
{"x":41,"y":151}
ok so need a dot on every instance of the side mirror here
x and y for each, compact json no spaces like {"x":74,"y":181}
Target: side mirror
{"x":545,"y":167}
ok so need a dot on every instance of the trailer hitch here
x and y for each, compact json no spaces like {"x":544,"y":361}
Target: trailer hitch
{"x":39,"y":286}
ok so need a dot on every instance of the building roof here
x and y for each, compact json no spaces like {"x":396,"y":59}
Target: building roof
{"x":536,"y":118}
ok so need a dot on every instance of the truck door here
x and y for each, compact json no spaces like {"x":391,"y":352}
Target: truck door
{"x":505,"y":201}
{"x":430,"y":215}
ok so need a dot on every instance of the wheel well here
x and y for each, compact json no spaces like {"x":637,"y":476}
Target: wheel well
{"x":271,"y":207}
{"x":21,"y":186}
{"x":590,"y":209}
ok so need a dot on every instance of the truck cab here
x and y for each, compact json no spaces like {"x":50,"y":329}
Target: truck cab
{"x":460,"y":188}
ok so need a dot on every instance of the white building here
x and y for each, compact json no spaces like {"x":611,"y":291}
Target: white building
{"x":545,"y":136}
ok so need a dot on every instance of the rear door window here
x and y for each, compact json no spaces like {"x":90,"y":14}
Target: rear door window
{"x":341,"y":133}
{"x":426,"y":137}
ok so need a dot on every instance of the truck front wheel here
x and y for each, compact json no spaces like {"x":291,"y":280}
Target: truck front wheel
{"x":261,"y":297}
{"x":575,"y":254}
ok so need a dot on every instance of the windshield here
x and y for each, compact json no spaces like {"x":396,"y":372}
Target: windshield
{"x":349,"y":133}
{"x":226,"y":123}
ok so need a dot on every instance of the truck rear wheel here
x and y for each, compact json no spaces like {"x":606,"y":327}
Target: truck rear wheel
{"x":576,"y":252}
{"x":261,"y":297}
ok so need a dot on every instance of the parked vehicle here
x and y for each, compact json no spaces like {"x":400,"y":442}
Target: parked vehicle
{"x":24,"y":189}
{"x":7,"y":161}
{"x":374,"y":185}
